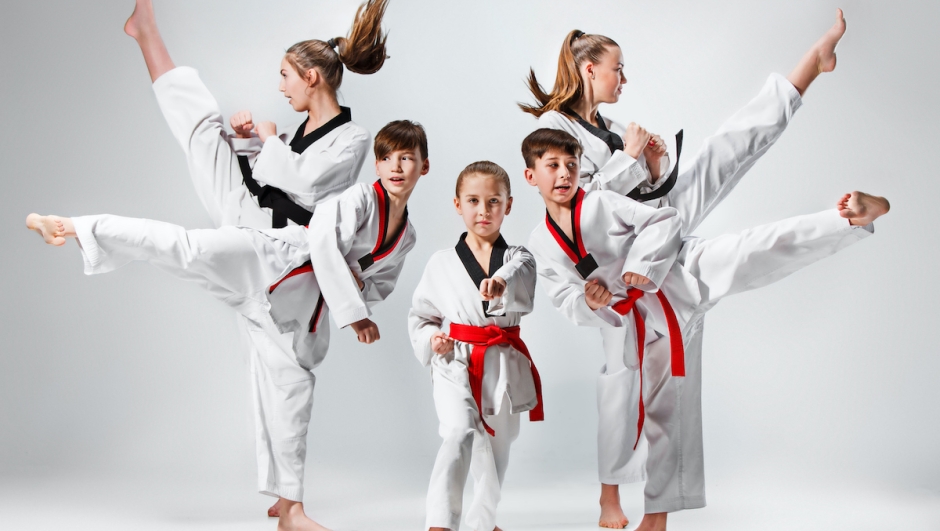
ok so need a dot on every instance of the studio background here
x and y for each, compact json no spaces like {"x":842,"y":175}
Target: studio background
{"x":124,"y":398}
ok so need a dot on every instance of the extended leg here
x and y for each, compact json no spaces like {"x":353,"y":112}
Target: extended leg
{"x":488,"y":466}
{"x":820,"y":58}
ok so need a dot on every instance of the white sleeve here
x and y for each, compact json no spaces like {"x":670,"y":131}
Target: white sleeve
{"x":424,"y":319}
{"x":568,"y":298}
{"x":246,"y":146}
{"x":656,"y":246}
{"x":331,"y":233}
{"x":621,"y":173}
{"x":311,"y":174}
{"x":519,"y":274}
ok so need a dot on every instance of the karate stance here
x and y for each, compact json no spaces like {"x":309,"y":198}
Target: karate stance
{"x":282,"y":281}
{"x":259,"y":179}
{"x":464,"y":323}
{"x":632,"y":161}
{"x":607,"y":261}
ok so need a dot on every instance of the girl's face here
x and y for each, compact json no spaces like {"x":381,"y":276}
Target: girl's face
{"x":483,"y":203}
{"x":295,"y":88}
{"x":608,"y":78}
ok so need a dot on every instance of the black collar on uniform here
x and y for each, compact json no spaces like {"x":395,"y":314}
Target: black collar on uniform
{"x":613,"y":140}
{"x":300,"y":142}
{"x":497,"y":255}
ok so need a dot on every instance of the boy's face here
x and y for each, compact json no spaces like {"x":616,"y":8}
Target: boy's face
{"x":483,"y":203}
{"x":556,"y":176}
{"x":400,"y":170}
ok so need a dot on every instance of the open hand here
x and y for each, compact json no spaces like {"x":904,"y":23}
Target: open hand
{"x":242,"y":124}
{"x":266,"y":129}
{"x":633,"y":279}
{"x":441,"y":343}
{"x":595,"y":295}
{"x":635,"y":140}
{"x":366,"y":331}
{"x":492,"y":288}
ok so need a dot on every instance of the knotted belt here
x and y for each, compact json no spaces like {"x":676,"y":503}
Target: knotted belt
{"x":483,"y":337}
{"x":675,"y":341}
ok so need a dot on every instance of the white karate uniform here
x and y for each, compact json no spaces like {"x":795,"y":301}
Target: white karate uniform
{"x":614,"y":231}
{"x":308,"y":169}
{"x":449,"y":293}
{"x":266,"y":276}
{"x":701,"y":184}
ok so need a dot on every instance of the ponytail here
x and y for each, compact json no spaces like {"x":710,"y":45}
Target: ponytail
{"x":362,"y":51}
{"x":569,"y":87}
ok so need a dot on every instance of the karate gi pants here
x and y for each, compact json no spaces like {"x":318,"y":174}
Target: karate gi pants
{"x":466,"y":447}
{"x":236,"y":266}
{"x":672,"y":450}
{"x":712,"y":174}
{"x":282,"y":389}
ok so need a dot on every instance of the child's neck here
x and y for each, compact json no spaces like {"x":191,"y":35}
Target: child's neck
{"x":322,"y":109}
{"x":482,"y":248}
{"x":396,"y":214}
{"x":561,"y":215}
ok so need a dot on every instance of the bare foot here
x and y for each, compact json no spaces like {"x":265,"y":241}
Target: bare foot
{"x":825,"y":47}
{"x":141,"y":20}
{"x":612,"y":516}
{"x":274,"y":511}
{"x":653,"y":522}
{"x":293,"y":518}
{"x":861,"y":209}
{"x":51,"y":228}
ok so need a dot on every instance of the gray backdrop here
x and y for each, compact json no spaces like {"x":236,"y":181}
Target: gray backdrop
{"x":124,"y":397}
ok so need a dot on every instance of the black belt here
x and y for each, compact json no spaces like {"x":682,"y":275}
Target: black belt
{"x":666,"y":186}
{"x":282,"y":207}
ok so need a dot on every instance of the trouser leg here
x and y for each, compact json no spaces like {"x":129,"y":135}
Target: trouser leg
{"x":673,"y":427}
{"x":728,"y":154}
{"x":762,"y":255}
{"x":234,"y":265}
{"x":618,"y":402}
{"x":196,"y":122}
{"x":459,"y":420}
{"x":283,"y":397}
{"x":488,"y":466}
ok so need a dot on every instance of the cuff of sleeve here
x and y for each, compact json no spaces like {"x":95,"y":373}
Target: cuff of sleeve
{"x":622,"y":173}
{"x":345,"y":318}
{"x":785,"y":87}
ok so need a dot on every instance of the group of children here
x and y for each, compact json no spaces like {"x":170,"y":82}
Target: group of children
{"x":298,"y":239}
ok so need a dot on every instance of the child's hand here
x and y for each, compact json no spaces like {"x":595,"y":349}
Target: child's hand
{"x":492,"y":288}
{"x":654,"y":151}
{"x":595,"y":295}
{"x":441,"y":343}
{"x":633,"y":279}
{"x":635,"y":140}
{"x":266,"y":129}
{"x":242,"y":124}
{"x":366,"y":331}
{"x":359,"y":282}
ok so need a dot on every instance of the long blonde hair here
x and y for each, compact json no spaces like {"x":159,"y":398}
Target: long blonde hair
{"x":362,"y":51}
{"x":569,"y":87}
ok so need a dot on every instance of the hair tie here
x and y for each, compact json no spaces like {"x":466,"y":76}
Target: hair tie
{"x":578,"y":34}
{"x":331,"y":43}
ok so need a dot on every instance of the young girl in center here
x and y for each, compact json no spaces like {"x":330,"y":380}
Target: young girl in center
{"x":464,"y":323}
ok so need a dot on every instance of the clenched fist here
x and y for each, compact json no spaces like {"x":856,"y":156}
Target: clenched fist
{"x":242,"y":124}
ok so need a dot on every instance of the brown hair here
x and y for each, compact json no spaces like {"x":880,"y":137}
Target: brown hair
{"x":399,"y":135}
{"x":569,"y":87}
{"x":362,"y":51}
{"x":488,"y":169}
{"x":544,"y":140}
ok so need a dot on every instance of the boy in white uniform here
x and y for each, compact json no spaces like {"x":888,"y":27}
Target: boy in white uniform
{"x":598,"y":253}
{"x":464,"y":323}
{"x":356,"y":244}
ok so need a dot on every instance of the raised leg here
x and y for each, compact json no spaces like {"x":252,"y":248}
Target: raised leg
{"x":820,"y":58}
{"x":142,"y":26}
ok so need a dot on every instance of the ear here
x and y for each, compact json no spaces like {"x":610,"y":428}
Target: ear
{"x":457,"y":205}
{"x":313,"y":77}
{"x":377,"y":168}
{"x":530,"y":177}
{"x":588,"y":69}
{"x":508,"y":205}
{"x":425,"y":167}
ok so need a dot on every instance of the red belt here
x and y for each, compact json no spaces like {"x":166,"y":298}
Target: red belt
{"x":675,"y":341}
{"x":483,"y":337}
